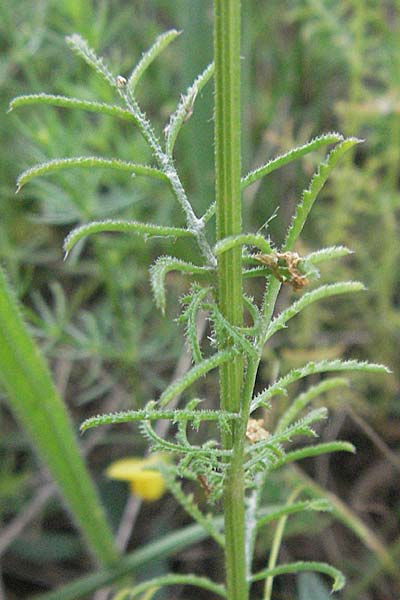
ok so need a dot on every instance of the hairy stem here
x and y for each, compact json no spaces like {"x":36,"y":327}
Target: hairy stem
{"x":230,"y":298}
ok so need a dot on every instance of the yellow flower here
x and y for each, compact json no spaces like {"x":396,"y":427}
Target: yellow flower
{"x":144,"y":480}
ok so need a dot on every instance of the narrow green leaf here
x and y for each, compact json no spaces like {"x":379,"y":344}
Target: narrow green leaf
{"x":145,"y":229}
{"x":153,"y":414}
{"x":210,"y":212}
{"x":315,"y":450}
{"x":194,"y":374}
{"x":158,"y":444}
{"x":325,"y":254}
{"x":185,"y":107}
{"x":159,"y":270}
{"x":161,"y":42}
{"x":310,"y":195}
{"x":306,"y":397}
{"x":250,"y":239}
{"x":291,"y":509}
{"x":299,"y":567}
{"x":190,"y":315}
{"x":82,"y":48}
{"x":325,"y":291}
{"x":58,"y":164}
{"x":34,"y":399}
{"x":235,"y":334}
{"x":66,"y":102}
{"x":324,"y":366}
{"x":284,"y":159}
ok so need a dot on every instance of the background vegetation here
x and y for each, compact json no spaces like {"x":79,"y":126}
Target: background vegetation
{"x":309,"y":67}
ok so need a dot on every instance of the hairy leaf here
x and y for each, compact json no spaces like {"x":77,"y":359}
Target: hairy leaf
{"x":315,"y":450}
{"x":58,"y":164}
{"x":324,"y":366}
{"x":310,"y":195}
{"x":145,"y":229}
{"x":151,"y":414}
{"x":185,"y":107}
{"x":195,"y":373}
{"x":67,"y":102}
{"x":82,"y":48}
{"x":250,"y":239}
{"x":161,"y":42}
{"x":306,"y":397}
{"x":294,"y":154}
{"x":325,"y":291}
{"x":159,"y":270}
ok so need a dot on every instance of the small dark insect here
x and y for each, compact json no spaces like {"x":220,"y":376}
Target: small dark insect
{"x":203,"y":482}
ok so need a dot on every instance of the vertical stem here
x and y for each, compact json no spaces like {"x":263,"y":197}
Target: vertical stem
{"x":230,"y":298}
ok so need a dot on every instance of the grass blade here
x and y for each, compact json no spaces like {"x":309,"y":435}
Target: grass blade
{"x":34,"y":400}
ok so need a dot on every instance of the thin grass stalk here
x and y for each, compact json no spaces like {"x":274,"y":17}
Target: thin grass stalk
{"x":37,"y":405}
{"x":227,"y":24}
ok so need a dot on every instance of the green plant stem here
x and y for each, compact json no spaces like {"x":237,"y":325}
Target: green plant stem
{"x":230,"y":298}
